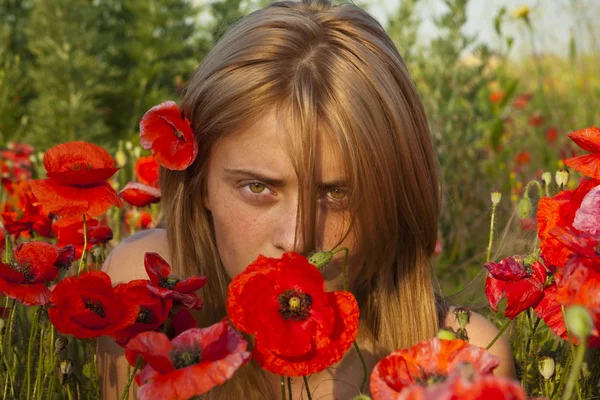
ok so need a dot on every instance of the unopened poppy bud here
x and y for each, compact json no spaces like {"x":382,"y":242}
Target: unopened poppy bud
{"x":521,"y":12}
{"x":129,"y":145}
{"x":562,"y":177}
{"x":321,"y":258}
{"x":547,"y":178}
{"x":579,"y":321}
{"x":66,"y":366}
{"x":463,"y":316}
{"x":524,"y":207}
{"x":496,"y":197}
{"x":546,"y":366}
{"x":40,"y":155}
{"x":60,"y":343}
{"x":121,"y":158}
{"x":32,"y":158}
{"x":96,"y":252}
{"x":137,"y":151}
{"x":446,"y":334}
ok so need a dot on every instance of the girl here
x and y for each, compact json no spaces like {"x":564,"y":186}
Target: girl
{"x":311,"y":136}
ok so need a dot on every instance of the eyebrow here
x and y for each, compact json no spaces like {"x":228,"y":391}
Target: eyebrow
{"x":275,"y":182}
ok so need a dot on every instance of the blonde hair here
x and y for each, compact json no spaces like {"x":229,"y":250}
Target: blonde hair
{"x":327,"y":69}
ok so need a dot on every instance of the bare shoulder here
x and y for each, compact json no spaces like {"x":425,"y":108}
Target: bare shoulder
{"x":481,"y":332}
{"x":126,"y":261}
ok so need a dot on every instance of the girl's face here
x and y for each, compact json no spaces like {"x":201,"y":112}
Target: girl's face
{"x":252,"y":194}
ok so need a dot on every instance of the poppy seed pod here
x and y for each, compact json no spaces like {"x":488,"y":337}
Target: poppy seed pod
{"x":321,"y":258}
{"x":579,"y":321}
{"x":546,"y":366}
{"x":562,"y":177}
{"x":496,"y":197}
{"x":547,"y":178}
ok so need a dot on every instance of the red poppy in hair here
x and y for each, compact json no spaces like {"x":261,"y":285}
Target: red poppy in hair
{"x":34,"y":265}
{"x":168,"y":134}
{"x":428,"y":362}
{"x":88,"y":306}
{"x":191,"y":364}
{"x":76,"y":183}
{"x":521,"y":284}
{"x":167,"y":285}
{"x":588,"y":139}
{"x":146,"y":171}
{"x":140,"y":195}
{"x":276,"y":299}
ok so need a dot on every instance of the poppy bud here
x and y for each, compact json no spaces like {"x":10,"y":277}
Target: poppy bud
{"x":32,"y":158}
{"x":137,"y":151}
{"x":129,"y":145}
{"x":546,"y":366}
{"x":96,"y":252}
{"x":321,"y":258}
{"x":524,"y":207}
{"x":40,"y":155}
{"x":521,"y":12}
{"x":579,"y":321}
{"x":547,"y":178}
{"x":66,"y":366}
{"x":562,"y":177}
{"x":60,"y":343}
{"x":446,"y":334}
{"x":121,"y":158}
{"x":496,"y":196}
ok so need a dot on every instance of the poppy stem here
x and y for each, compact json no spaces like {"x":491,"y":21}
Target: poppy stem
{"x":138,"y":365}
{"x":575,"y":369}
{"x":307,"y":388}
{"x":344,"y":267}
{"x":6,"y":248}
{"x":289,"y":383}
{"x":489,"y":249}
{"x":282,"y":387}
{"x":84,"y":253}
{"x":572,"y":347}
{"x":499,"y":334}
{"x":364,"y":365}
{"x":32,"y":336}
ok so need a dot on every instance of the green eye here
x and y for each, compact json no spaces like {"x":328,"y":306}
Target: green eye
{"x":337,"y":194}
{"x":257,"y":187}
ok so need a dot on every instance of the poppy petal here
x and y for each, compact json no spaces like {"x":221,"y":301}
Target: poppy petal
{"x":191,"y":284}
{"x":156,"y":268}
{"x":154,"y":348}
{"x":140,"y":195}
{"x":588,"y":165}
{"x":588,"y":139}
{"x":78,"y":154}
{"x":83,"y":176}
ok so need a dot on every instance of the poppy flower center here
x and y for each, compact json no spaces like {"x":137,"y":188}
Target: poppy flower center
{"x":177,"y":133}
{"x":145,"y":316}
{"x":294,"y":305}
{"x":430,"y":380}
{"x":169,"y":282}
{"x":185,"y":357}
{"x":95,"y":306}
{"x":80,"y":166}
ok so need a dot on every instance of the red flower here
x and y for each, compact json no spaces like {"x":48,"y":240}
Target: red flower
{"x":191,"y":364}
{"x":139,"y":195}
{"x":522,"y":285}
{"x":146,"y":171}
{"x":88,"y":307}
{"x":137,"y":219}
{"x":551,"y":134}
{"x":588,"y":139}
{"x":71,"y":232}
{"x":427,"y":362}
{"x":180,"y":322}
{"x":560,"y":211}
{"x":496,"y":97}
{"x":536,"y":119}
{"x":522,"y":101}
{"x":528,"y":224}
{"x":280,"y":299}
{"x":167,"y":132}
{"x":523,"y":158}
{"x":550,"y":311}
{"x":35,"y":264}
{"x":19,"y":154}
{"x":154,"y":310}
{"x":169,"y":286}
{"x":77,"y":180}
{"x":28,"y":214}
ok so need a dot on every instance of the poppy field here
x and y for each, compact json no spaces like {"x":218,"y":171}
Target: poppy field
{"x":519,"y":147}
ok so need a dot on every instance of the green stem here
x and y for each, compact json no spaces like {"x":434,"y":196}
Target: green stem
{"x":574,"y":374}
{"x":40,"y":364}
{"x":138,"y":365}
{"x":282,"y":384}
{"x":489,"y":250}
{"x":499,"y":334}
{"x":83,"y":254}
{"x":571,"y":346}
{"x":289,"y":383}
{"x":32,"y":336}
{"x":345,"y":267}
{"x":539,"y":186}
{"x":364,"y":365}
{"x":69,"y":395}
{"x":307,"y":388}
{"x":6,"y":248}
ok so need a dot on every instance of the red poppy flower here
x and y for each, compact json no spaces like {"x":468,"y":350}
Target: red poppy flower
{"x":167,"y":132}
{"x":35,"y":263}
{"x":27,"y":213}
{"x":496,"y":97}
{"x":522,"y":285}
{"x":69,"y":231}
{"x":140,"y":195}
{"x":167,"y":285}
{"x":560,"y":211}
{"x":18,"y":153}
{"x":146,"y":171}
{"x":551,"y":134}
{"x":138,"y":219}
{"x":191,"y":364}
{"x":550,"y":311}
{"x":522,"y":100}
{"x":536,"y":119}
{"x":523,"y":158}
{"x":154,"y":310}
{"x":281,"y":298}
{"x":588,"y":139}
{"x":528,"y":224}
{"x":88,"y":306}
{"x":179,"y":323}
{"x":77,"y":180}
{"x":427,"y":362}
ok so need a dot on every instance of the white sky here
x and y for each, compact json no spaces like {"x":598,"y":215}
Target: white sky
{"x":553,"y":21}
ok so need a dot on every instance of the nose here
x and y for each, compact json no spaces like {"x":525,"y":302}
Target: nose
{"x":284,"y":232}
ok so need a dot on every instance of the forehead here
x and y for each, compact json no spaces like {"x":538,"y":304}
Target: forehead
{"x":273,"y":144}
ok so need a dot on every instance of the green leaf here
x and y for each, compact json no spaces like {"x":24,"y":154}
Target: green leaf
{"x":498,"y":20}
{"x":496,"y":133}
{"x":509,"y":92}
